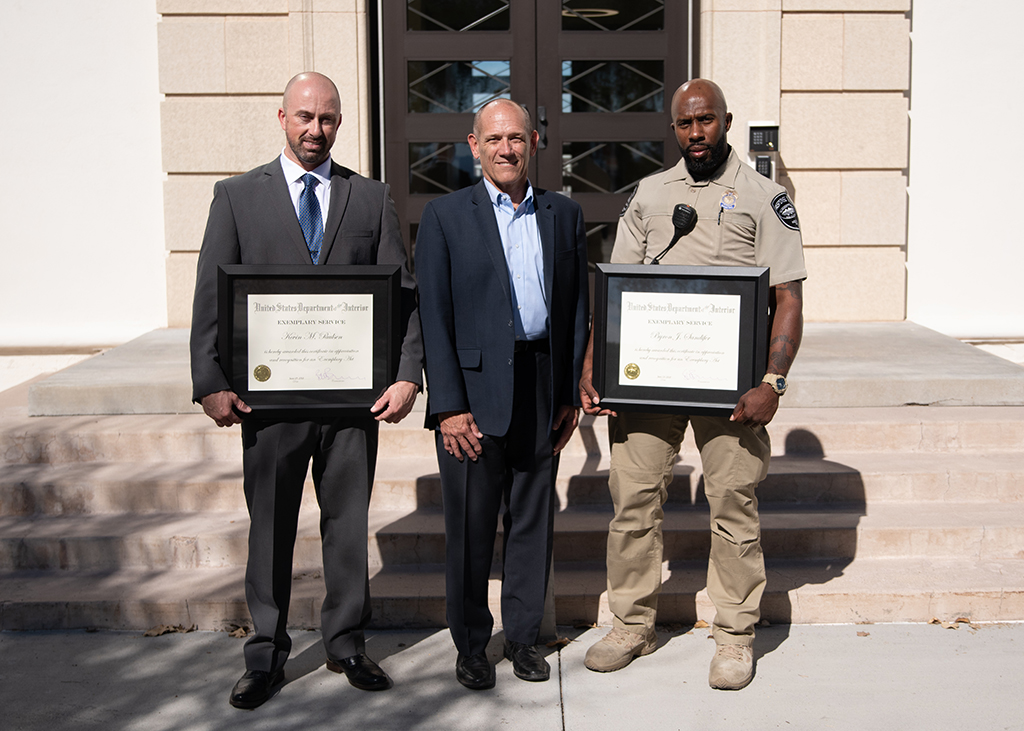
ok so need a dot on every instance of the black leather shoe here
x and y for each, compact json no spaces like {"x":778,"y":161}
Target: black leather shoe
{"x":255,"y":688}
{"x":527,"y":662}
{"x":475,"y":671}
{"x":361,"y":671}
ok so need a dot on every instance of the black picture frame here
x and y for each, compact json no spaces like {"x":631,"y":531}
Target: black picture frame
{"x":611,"y":280}
{"x":237,"y":281}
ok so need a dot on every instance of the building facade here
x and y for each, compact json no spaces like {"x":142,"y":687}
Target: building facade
{"x":836,"y":76}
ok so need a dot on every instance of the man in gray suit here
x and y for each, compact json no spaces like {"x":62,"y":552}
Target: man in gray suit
{"x":302,"y":208}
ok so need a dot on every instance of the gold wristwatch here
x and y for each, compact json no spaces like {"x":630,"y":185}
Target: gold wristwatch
{"x":777,"y":382}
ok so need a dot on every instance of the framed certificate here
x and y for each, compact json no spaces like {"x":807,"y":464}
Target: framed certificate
{"x":679,"y":339}
{"x":301,"y":342}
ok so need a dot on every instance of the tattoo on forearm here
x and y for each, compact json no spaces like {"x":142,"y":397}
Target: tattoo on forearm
{"x":795,"y":289}
{"x":781,"y":351}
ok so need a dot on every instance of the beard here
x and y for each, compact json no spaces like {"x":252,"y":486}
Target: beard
{"x":310,"y":157}
{"x":704,"y":169}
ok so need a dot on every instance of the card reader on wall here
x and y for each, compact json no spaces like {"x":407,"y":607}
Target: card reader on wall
{"x":764,"y":147}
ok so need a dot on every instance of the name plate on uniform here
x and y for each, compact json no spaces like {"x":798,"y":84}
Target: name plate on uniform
{"x":678,"y":339}
{"x":309,"y":342}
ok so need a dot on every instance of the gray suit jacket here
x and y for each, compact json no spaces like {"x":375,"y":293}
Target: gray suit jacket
{"x":252,"y":221}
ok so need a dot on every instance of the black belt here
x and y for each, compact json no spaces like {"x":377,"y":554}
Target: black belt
{"x":533,"y":346}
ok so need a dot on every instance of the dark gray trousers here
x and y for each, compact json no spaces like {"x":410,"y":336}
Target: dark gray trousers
{"x":275,"y":459}
{"x":518,"y":468}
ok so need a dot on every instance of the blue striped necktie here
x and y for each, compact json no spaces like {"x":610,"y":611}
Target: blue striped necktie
{"x":310,"y":219}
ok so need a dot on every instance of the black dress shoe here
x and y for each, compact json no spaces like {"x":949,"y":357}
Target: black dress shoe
{"x":475,"y":671}
{"x":361,"y":671}
{"x":526,"y":661}
{"x":254,"y":688}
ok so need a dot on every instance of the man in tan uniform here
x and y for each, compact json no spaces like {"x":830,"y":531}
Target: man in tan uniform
{"x":744,"y":219}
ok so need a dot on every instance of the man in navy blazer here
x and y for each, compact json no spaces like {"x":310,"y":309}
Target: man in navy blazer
{"x":347,"y":219}
{"x":502,"y":270}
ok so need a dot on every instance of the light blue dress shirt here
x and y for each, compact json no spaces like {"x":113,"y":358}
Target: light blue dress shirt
{"x":520,"y":239}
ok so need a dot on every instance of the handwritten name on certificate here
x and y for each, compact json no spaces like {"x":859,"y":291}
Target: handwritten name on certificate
{"x":310,"y":341}
{"x":679,"y":340}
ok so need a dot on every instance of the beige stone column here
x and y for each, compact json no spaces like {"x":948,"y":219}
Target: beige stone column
{"x":740,"y":47}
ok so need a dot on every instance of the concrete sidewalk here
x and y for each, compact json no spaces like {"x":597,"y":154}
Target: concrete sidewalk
{"x":852,"y":677}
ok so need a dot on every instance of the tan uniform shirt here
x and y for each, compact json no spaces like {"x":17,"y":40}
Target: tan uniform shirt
{"x":743,"y":219}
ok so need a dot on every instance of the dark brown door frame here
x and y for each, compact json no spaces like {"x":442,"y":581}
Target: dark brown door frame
{"x":535,"y":44}
{"x":554,"y":45}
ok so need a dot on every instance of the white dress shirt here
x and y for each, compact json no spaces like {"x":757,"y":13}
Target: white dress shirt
{"x":293,"y":176}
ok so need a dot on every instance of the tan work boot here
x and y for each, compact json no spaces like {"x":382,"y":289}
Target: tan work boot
{"x":732,"y":667}
{"x":617,"y":648}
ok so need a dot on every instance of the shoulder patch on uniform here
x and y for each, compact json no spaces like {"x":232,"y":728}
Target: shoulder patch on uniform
{"x":629,"y":200}
{"x":786,"y":211}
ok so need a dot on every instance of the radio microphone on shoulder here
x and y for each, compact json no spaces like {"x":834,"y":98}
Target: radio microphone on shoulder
{"x":684,"y":218}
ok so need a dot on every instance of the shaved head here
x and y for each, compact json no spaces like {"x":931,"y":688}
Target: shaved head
{"x":299,"y":83}
{"x":708,"y":90}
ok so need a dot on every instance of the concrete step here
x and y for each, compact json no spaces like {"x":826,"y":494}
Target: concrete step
{"x":151,"y":487}
{"x":800,"y":592}
{"x":928,"y":429}
{"x":408,"y":483}
{"x":810,"y":431}
{"x":844,"y":478}
{"x":864,"y":590}
{"x":219,"y":539}
{"x":83,"y":488}
{"x":842,"y":532}
{"x":840,"y":365}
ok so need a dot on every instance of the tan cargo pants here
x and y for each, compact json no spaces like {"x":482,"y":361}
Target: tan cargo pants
{"x":735,"y":460}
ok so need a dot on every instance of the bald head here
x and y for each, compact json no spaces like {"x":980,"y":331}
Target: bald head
{"x":700,"y":120}
{"x":707,"y":91}
{"x":487,"y":109}
{"x":310,"y":115}
{"x":306,"y":82}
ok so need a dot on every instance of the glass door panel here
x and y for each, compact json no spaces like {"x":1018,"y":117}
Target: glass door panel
{"x":597,"y":76}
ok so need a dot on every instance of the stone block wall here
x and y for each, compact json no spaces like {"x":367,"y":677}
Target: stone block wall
{"x":223,"y":67}
{"x":835,"y":75}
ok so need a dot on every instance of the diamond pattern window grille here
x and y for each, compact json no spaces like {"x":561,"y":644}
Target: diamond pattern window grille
{"x":457,"y":15}
{"x":613,"y":15}
{"x":600,"y":239}
{"x":609,"y":167}
{"x":441,"y":167}
{"x":613,"y":86}
{"x":456,"y":86}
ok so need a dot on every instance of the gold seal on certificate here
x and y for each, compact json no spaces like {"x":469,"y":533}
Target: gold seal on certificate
{"x":261,"y":373}
{"x":632,"y":371}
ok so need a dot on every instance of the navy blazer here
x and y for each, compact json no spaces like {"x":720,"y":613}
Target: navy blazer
{"x":252,"y":221}
{"x":466,"y":304}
